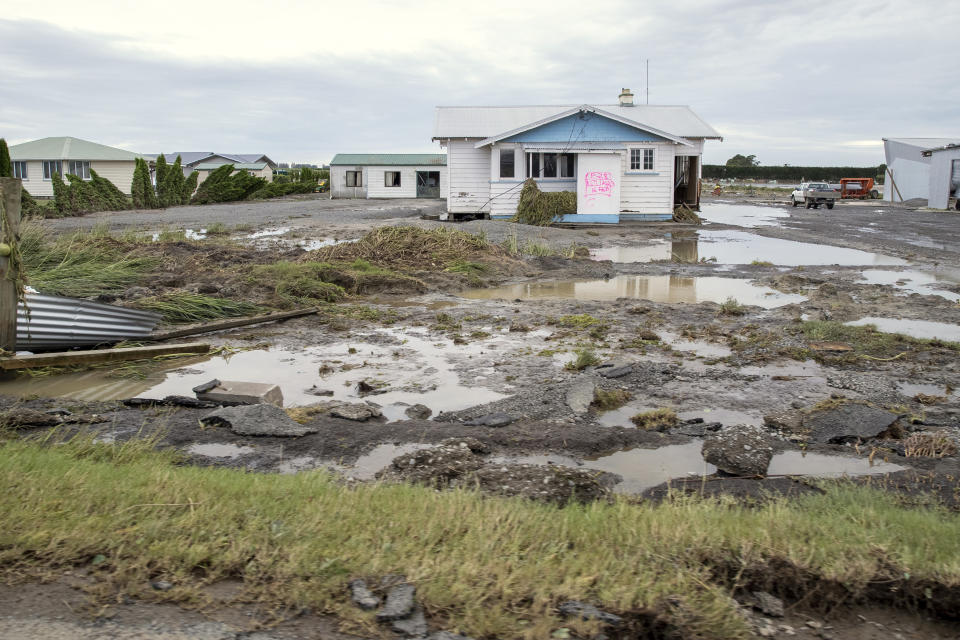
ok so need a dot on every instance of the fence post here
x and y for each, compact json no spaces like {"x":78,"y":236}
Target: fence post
{"x":9,"y":239}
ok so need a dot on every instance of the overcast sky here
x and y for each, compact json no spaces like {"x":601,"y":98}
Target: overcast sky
{"x":800,"y":82}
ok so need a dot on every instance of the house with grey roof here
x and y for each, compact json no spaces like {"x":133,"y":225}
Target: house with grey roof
{"x":190,"y":160}
{"x":36,"y":161}
{"x":624,"y":161}
{"x":388,"y":175}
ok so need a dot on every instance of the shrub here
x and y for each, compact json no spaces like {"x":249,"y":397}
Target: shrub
{"x":584,"y":358}
{"x":6,"y":167}
{"x":189,"y":186}
{"x":655,"y":420}
{"x":277,"y":189}
{"x":541,"y":209}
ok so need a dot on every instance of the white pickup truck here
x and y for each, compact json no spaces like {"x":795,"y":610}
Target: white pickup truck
{"x":814,"y":194}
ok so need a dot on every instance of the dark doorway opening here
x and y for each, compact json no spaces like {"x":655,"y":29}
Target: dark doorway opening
{"x":428,"y":184}
{"x":686,"y":182}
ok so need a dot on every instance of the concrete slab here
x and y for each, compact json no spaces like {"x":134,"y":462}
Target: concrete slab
{"x":238,"y":392}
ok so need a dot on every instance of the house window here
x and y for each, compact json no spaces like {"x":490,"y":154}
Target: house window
{"x":506,"y":163}
{"x":554,"y":165}
{"x":391,"y":178}
{"x":641,"y":159}
{"x":354,"y":178}
{"x":51,"y":167}
{"x":80,"y":168}
{"x":20,"y":169}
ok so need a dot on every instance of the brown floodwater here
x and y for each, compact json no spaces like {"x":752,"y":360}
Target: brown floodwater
{"x":667,"y":288}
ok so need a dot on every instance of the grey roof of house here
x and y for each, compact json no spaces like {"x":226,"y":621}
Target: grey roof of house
{"x":252,"y":166}
{"x":67,"y":148}
{"x":484,"y":122}
{"x":390,"y":159}
{"x":188,"y":158}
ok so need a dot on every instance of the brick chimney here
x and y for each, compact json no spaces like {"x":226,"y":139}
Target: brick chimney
{"x":626,"y":98}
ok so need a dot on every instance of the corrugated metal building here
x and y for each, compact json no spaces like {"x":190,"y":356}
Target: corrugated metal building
{"x":36,"y":161}
{"x":921,"y":168}
{"x":388,"y":175}
{"x":624,"y":161}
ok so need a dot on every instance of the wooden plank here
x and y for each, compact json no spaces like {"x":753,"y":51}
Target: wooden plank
{"x":96,"y":356}
{"x":230,"y":324}
{"x":10,"y":224}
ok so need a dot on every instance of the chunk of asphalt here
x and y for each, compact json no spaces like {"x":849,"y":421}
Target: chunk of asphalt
{"x":399,"y":604}
{"x":584,"y":611}
{"x":257,"y":420}
{"x":580,"y":396}
{"x":362,"y":596}
{"x":848,"y":422}
{"x":490,"y":420}
{"x":413,"y":627}
{"x":616,"y":372}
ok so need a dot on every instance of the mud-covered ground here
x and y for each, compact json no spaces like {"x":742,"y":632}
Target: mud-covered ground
{"x":504,"y":348}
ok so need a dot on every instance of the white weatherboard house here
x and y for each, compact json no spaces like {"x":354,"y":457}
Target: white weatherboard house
{"x":35,"y":163}
{"x":388,"y":175}
{"x":624,"y":161}
{"x":927,"y":168}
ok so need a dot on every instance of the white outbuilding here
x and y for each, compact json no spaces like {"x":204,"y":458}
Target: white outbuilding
{"x":927,"y":168}
{"x":388,"y":175}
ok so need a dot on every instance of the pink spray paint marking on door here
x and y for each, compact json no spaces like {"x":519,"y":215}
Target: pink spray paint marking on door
{"x":598,"y":183}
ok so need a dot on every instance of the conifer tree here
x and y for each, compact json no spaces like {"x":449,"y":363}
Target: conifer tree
{"x":136,"y":187}
{"x":6,"y":167}
{"x":172,"y":186}
{"x":189,"y":186}
{"x":61,"y":194}
{"x":161,"y":174}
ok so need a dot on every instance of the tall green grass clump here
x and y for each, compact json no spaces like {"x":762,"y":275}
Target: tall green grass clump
{"x":542,"y":208}
{"x":80,"y":265}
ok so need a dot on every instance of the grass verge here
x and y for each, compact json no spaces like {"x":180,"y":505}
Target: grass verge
{"x":490,"y":567}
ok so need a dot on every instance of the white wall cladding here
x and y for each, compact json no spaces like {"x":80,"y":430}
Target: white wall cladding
{"x":338,"y":182}
{"x":470,"y":177}
{"x":646,"y":192}
{"x":408,"y":181}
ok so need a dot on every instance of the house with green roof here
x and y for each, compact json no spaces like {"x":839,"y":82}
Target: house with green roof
{"x":388,"y":175}
{"x":36,"y":161}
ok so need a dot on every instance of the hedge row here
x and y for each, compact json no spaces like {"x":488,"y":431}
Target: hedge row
{"x":795,"y":174}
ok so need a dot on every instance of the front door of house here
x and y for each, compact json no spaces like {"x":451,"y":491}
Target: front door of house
{"x":598,"y":183}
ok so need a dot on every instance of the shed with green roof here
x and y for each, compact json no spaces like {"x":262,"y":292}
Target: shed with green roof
{"x":388,"y":175}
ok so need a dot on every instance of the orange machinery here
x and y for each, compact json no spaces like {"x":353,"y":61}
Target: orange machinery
{"x":858,"y":188}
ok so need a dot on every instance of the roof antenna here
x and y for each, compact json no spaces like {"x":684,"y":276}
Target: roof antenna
{"x":648,"y":80}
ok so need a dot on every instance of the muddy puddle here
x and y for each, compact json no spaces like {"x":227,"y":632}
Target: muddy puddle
{"x":740,"y":247}
{"x":219,"y":450}
{"x":642,"y":469}
{"x":742,"y":215}
{"x":406,"y":366}
{"x":922,"y":329}
{"x":273,"y":236}
{"x":914,"y":281}
{"x":672,"y":289}
{"x":910,"y":389}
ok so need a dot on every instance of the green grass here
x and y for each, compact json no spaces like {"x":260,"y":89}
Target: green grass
{"x":866,"y":339}
{"x":489,"y":567}
{"x":184,"y":307}
{"x":82,"y":264}
{"x":609,"y":400}
{"x":466,"y":267}
{"x":582,"y":359}
{"x":730,"y":307}
{"x":655,"y":419}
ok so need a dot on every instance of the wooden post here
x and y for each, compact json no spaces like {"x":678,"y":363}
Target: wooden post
{"x":10,"y":236}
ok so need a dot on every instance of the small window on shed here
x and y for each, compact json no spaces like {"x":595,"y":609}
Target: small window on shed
{"x":354,"y":178}
{"x":391,"y":178}
{"x":507,"y":163}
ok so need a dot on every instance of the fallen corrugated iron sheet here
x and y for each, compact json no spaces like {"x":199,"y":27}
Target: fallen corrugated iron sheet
{"x":55,"y":322}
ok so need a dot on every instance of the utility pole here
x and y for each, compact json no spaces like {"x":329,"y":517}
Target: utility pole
{"x":9,"y":279}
